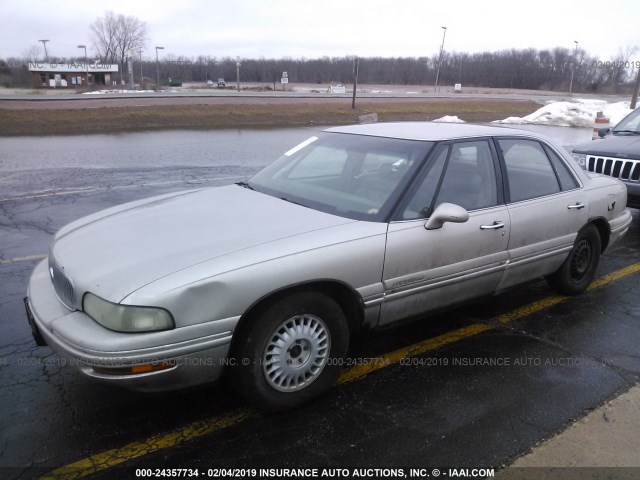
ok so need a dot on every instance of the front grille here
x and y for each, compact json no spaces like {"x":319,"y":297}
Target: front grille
{"x":62,"y":285}
{"x":627,"y":170}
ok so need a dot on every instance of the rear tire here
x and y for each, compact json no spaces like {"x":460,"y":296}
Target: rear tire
{"x":290,"y":351}
{"x":578,"y":270}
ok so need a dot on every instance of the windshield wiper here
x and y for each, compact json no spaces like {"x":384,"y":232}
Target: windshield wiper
{"x":291,"y":201}
{"x":632,"y":132}
{"x":245,"y":185}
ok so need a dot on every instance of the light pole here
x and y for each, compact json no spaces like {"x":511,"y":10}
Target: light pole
{"x":238,"y":74}
{"x":573,"y":67}
{"x":141,"y":77}
{"x":158,"y":68}
{"x":86,"y":63}
{"x":444,"y":32}
{"x":46,"y":56}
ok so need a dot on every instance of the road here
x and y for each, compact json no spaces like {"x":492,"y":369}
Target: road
{"x":302,"y":94}
{"x":470,"y":388}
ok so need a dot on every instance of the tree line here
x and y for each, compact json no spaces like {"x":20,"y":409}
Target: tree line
{"x":118,"y":39}
{"x":521,"y":69}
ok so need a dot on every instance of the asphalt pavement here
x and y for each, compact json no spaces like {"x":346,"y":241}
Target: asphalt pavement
{"x":473,"y":388}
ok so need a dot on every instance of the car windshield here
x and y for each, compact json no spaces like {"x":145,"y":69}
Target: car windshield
{"x":353,"y":176}
{"x":630,"y":125}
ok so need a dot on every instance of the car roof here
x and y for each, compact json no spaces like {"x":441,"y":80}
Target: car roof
{"x":432,"y":131}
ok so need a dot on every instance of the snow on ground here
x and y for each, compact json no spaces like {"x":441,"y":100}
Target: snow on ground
{"x":449,"y":119}
{"x":104,"y":92}
{"x":578,"y":113}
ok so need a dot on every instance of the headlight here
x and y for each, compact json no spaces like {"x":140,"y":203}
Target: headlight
{"x":580,"y":158}
{"x":126,"y":318}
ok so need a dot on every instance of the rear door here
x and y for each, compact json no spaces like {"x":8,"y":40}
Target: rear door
{"x":546,"y":205}
{"x":429,"y":269}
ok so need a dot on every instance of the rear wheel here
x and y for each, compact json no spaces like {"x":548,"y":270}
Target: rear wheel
{"x":287,"y":355}
{"x":578,"y":270}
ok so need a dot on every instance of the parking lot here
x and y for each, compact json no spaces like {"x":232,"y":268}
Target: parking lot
{"x":474,"y":387}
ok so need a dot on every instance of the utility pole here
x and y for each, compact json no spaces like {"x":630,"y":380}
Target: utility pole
{"x":636,"y":90}
{"x":46,"y":55}
{"x":356,"y":61}
{"x":158,"y":68}
{"x":141,"y":76}
{"x":573,"y":67}
{"x":440,"y":60}
{"x":238,"y":74}
{"x":130,"y":68}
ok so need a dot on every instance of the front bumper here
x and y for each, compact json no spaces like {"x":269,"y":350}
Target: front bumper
{"x":197,"y":353}
{"x":633,"y":194}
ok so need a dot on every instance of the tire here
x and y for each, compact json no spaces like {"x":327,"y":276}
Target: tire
{"x":578,"y":270}
{"x":290,"y":351}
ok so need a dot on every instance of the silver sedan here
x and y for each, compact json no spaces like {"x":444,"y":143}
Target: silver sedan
{"x":355,"y":228}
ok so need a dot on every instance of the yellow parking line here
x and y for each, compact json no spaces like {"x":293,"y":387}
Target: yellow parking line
{"x":110,"y":458}
{"x":615,"y":276}
{"x":359,"y":371}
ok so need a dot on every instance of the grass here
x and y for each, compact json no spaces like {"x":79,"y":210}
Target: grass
{"x":230,"y":115}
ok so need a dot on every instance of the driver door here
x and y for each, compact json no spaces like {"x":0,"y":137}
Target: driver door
{"x":425,"y":270}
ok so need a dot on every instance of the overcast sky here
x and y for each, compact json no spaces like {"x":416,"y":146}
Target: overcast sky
{"x":311,"y":29}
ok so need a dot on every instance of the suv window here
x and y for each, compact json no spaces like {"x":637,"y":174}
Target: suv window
{"x":529,"y":171}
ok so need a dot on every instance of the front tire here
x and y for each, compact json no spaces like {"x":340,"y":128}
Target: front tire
{"x":289,"y":352}
{"x":578,"y":270}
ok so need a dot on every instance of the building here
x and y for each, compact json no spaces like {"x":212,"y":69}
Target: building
{"x":72,"y":75}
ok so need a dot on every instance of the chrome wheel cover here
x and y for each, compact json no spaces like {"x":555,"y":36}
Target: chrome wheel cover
{"x":295,"y":353}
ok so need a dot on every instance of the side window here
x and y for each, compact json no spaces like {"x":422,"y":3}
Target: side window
{"x":529,"y":171}
{"x":470,"y":177}
{"x":566,"y":178}
{"x":420,"y":203}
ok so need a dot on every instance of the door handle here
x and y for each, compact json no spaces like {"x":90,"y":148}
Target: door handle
{"x":495,"y":226}
{"x":577,"y":206}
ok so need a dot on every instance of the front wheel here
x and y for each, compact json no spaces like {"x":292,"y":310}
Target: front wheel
{"x":290,"y":351}
{"x":578,"y":270}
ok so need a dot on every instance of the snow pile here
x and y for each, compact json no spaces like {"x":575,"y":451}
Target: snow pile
{"x":104,"y":92}
{"x":448,"y":119}
{"x":578,"y":113}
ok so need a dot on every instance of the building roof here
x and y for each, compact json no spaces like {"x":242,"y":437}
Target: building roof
{"x":69,"y":67}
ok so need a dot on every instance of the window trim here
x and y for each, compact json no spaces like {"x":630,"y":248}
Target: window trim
{"x":547,"y":148}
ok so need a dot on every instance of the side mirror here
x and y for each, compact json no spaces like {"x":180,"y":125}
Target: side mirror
{"x":446,"y":212}
{"x":603,"y":132}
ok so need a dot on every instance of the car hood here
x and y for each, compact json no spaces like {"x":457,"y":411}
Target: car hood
{"x":119,"y":250}
{"x":616,"y":146}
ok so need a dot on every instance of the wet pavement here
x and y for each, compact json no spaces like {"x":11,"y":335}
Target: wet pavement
{"x":471,"y":401}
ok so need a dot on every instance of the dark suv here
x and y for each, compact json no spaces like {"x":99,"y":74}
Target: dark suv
{"x":616,"y":155}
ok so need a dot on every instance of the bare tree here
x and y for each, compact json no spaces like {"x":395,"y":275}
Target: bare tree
{"x":31,"y":54}
{"x":105,"y":37}
{"x":115,"y":36}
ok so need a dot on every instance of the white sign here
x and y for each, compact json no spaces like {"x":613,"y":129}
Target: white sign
{"x":458,"y":87}
{"x":65,"y":67}
{"x":337,"y":89}
{"x":284,"y":80}
{"x":285,"y":75}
